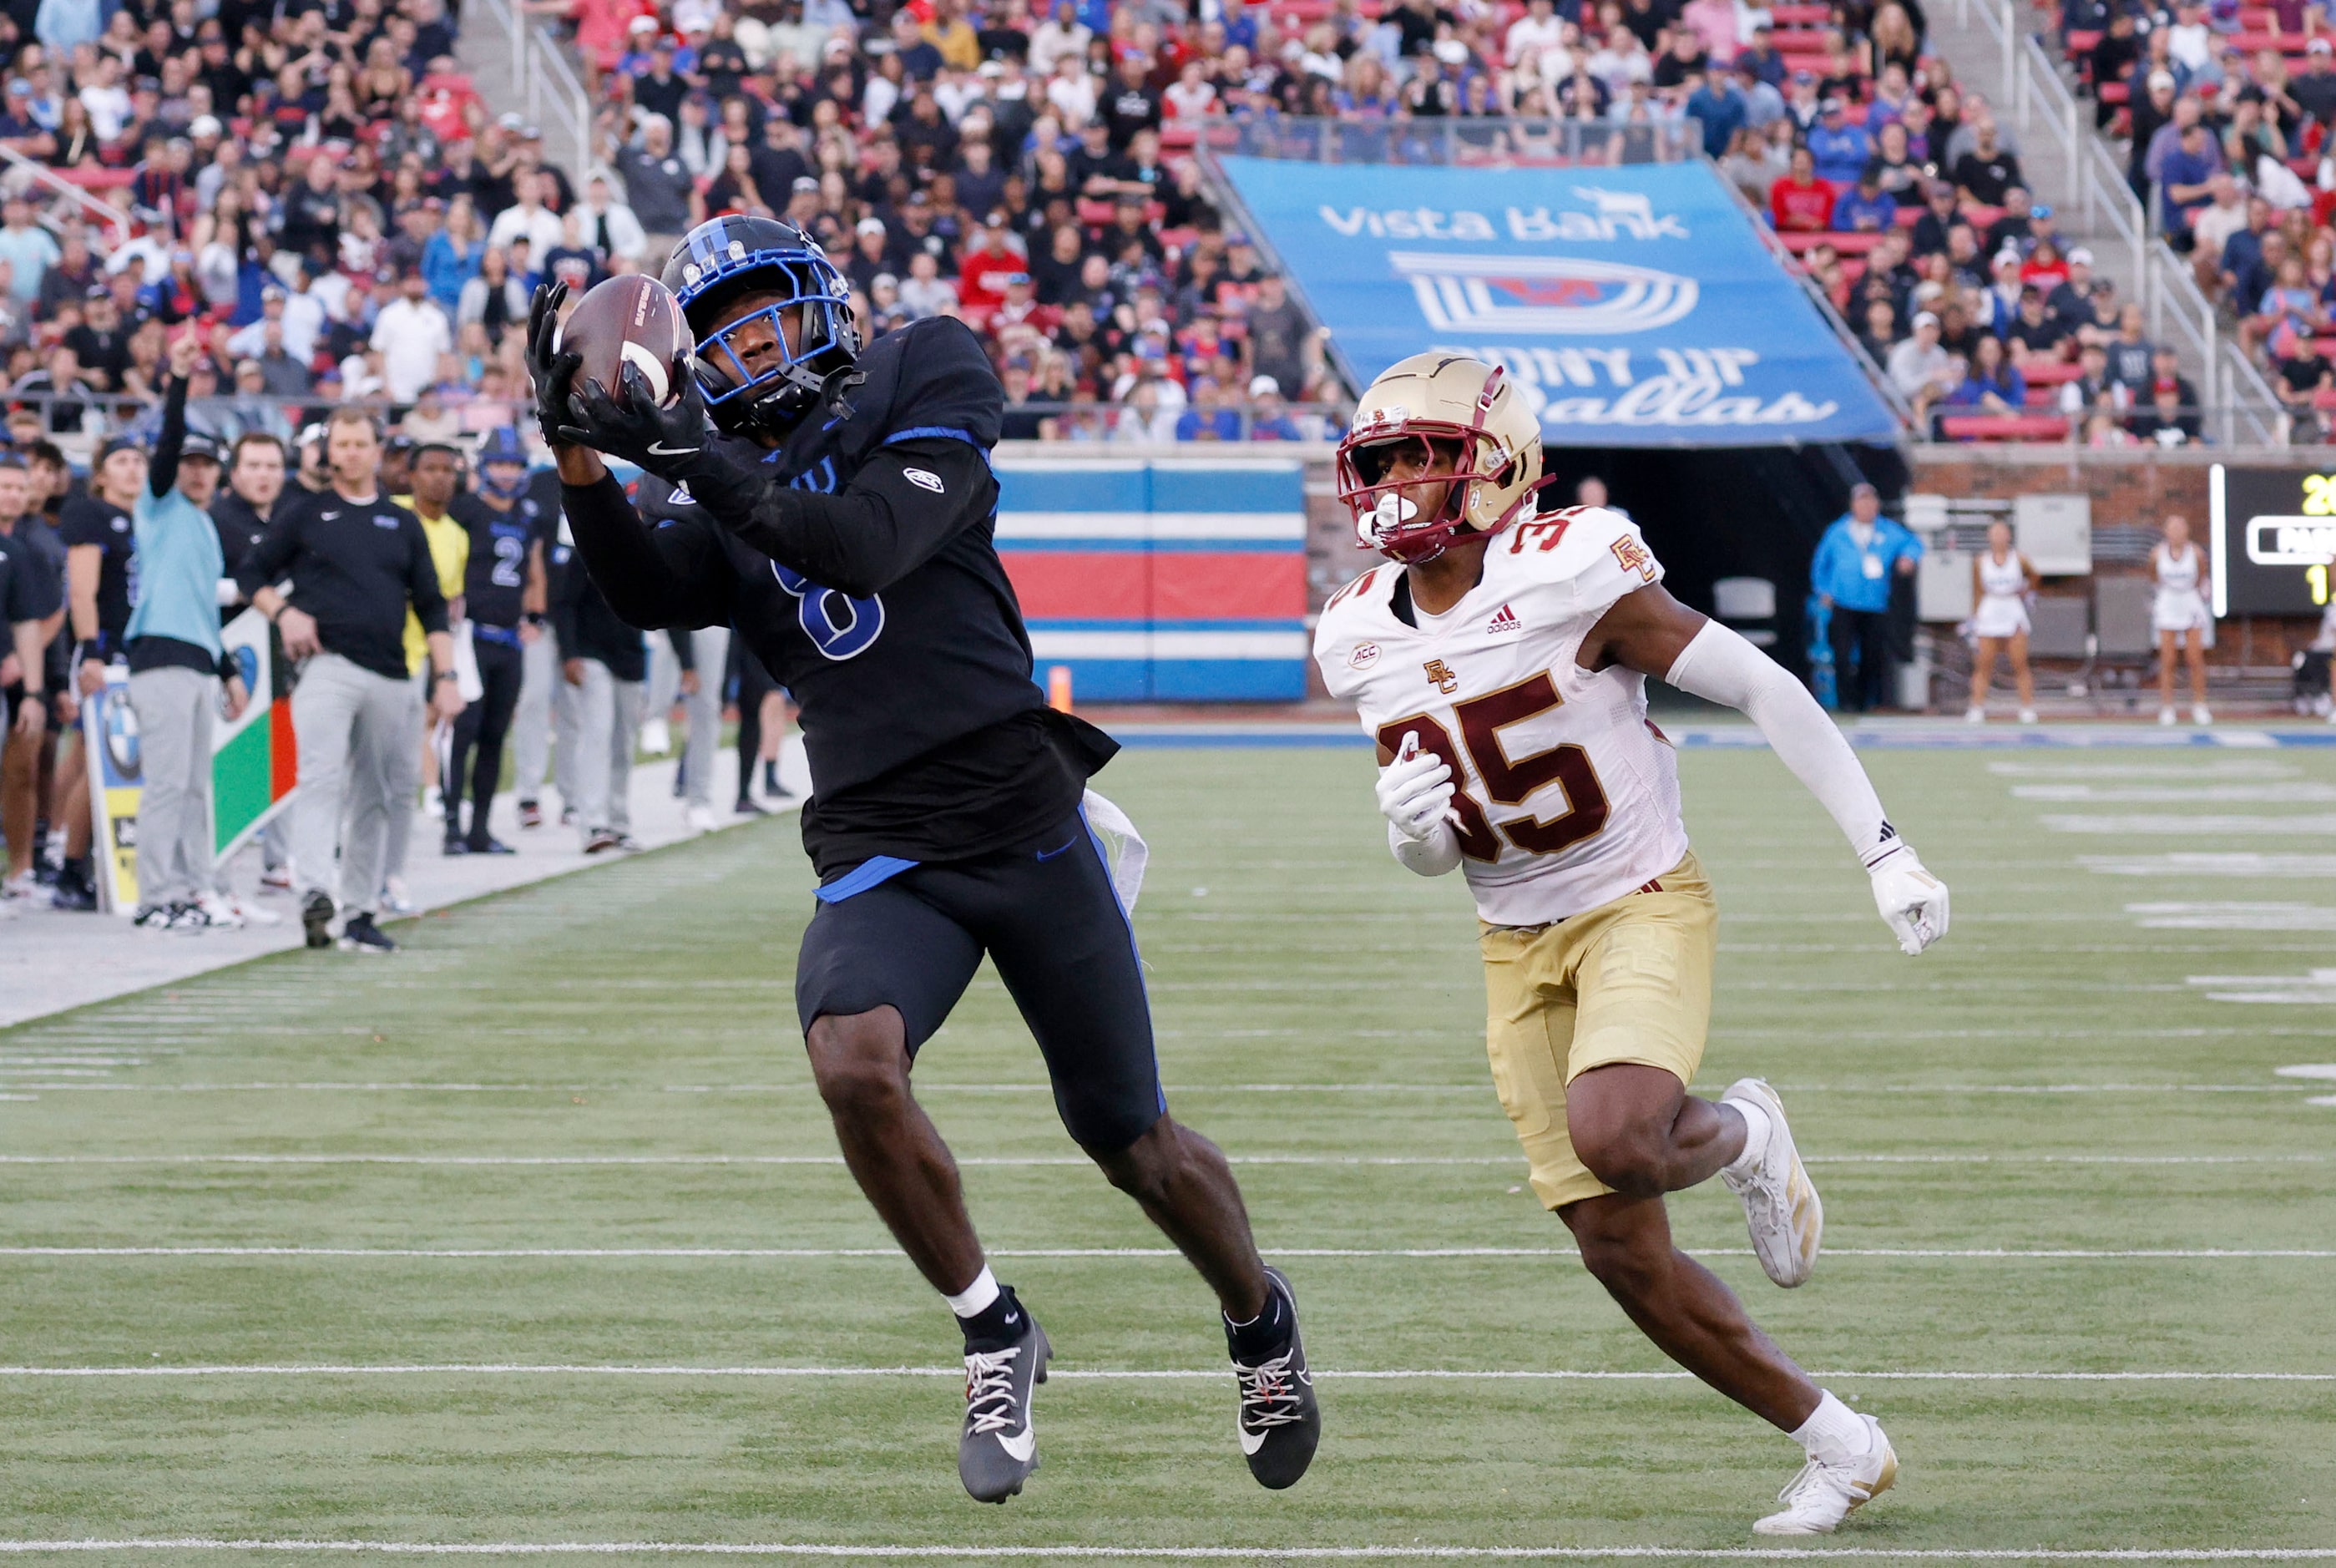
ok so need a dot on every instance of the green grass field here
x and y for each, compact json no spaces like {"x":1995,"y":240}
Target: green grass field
{"x":610,"y":1062}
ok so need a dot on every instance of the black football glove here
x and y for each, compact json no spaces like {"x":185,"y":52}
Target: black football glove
{"x":554,"y":373}
{"x":666,"y":441}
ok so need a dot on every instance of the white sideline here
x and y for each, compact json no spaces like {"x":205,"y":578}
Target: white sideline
{"x":9,"y":1069}
{"x":1201,"y":1553}
{"x":1163,"y":1253}
{"x":1009,"y":1161}
{"x":1176,"y":1375}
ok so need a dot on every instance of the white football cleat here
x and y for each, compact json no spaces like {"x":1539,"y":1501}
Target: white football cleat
{"x":2027,"y":715}
{"x":1827,"y":1492}
{"x":1974,"y":715}
{"x":1781,"y":1207}
{"x":2199,"y":714}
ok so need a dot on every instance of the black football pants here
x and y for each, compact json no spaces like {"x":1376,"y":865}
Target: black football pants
{"x":909,"y":935}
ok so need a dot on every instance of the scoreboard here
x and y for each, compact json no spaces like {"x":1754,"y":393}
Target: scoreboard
{"x":2272,"y":539}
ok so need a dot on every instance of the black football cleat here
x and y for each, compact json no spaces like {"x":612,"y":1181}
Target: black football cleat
{"x":316,"y":918}
{"x":1279,"y":1422}
{"x":999,"y":1449}
{"x":360,"y":935}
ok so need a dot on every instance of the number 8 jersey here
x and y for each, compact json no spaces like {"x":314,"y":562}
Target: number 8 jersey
{"x":1568,"y":795}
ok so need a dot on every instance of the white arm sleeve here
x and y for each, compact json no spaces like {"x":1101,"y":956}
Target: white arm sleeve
{"x":1720,"y":665}
{"x":1428,"y":857}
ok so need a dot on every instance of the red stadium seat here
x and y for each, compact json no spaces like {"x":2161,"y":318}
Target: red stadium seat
{"x":2116,"y":93}
{"x":2050,"y":372}
{"x":2003,"y":427}
{"x":1798,"y":41}
{"x":2081,"y":41}
{"x":1843,"y":244}
{"x":1801,"y":16}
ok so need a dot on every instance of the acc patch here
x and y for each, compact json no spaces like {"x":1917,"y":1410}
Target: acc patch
{"x":923,"y":479}
{"x":1366,"y":654}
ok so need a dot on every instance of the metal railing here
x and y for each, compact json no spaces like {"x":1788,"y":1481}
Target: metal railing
{"x":546,"y":79}
{"x":1489,"y":140}
{"x":2038,"y":99}
{"x":95,"y":416}
{"x":25,"y":174}
{"x":553,"y":86}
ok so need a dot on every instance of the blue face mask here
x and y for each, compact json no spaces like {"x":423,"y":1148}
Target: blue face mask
{"x":508,"y":490}
{"x":812,"y":286}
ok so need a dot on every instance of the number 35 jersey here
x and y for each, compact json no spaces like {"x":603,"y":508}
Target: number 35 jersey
{"x":1568,"y":797}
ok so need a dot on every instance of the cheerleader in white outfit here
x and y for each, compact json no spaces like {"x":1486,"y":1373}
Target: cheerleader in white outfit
{"x":2002,"y":580}
{"x":2180,"y":618}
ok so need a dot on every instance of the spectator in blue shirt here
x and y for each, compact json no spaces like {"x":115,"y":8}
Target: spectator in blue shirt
{"x":1208,"y":418}
{"x":1717,"y":102}
{"x":1269,"y":418}
{"x":1851,"y":576}
{"x":2185,"y":176}
{"x":1866,"y":207}
{"x":1840,"y":148}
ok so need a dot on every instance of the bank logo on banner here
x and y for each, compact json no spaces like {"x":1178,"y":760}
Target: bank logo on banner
{"x":1559,"y":295}
{"x":1636,"y":306}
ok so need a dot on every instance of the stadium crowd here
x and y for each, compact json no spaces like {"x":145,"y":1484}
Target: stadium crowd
{"x":2225,"y":111}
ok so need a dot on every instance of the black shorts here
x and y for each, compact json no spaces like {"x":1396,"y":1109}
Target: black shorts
{"x":908,"y":936}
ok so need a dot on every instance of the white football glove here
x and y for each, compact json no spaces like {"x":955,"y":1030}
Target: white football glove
{"x":1912,"y":901}
{"x":1416,"y":792}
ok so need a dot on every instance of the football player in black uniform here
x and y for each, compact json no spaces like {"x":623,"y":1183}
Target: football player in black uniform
{"x":840,"y":511}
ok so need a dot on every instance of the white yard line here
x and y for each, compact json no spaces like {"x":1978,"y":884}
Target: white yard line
{"x":932,"y":1090}
{"x":542,"y":1161}
{"x":1189,"y":1553}
{"x":1176,"y":1375}
{"x":1163,"y":1253}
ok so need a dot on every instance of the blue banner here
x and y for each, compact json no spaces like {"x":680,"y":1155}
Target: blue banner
{"x":1635,"y":304}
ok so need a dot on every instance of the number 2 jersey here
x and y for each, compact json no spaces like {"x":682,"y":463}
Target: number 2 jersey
{"x":1568,"y":795}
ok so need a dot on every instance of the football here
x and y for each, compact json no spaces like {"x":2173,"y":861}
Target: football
{"x":630,"y":320}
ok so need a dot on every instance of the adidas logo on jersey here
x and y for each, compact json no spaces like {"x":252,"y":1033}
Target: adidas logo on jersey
{"x":681,"y":496}
{"x":1504,"y":623}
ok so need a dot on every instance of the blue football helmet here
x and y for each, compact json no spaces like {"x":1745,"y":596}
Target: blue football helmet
{"x":721,"y":260}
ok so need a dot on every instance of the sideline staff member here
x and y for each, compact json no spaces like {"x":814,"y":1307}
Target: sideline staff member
{"x":357,"y":561}
{"x":176,"y":663}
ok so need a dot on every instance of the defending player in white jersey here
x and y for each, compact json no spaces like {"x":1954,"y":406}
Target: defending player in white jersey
{"x":1501,"y":664}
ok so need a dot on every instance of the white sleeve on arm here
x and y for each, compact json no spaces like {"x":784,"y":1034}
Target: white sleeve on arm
{"x":1720,"y":665}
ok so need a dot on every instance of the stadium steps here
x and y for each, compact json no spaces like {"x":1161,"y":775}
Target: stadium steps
{"x":502,"y":77}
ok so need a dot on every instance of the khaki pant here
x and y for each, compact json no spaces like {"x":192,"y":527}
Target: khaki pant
{"x":1628,"y":982}
{"x":175,"y":707}
{"x":350,"y":723}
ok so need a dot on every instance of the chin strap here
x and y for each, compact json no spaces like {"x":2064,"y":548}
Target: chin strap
{"x":832,"y":391}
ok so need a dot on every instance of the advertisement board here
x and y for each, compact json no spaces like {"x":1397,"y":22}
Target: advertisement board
{"x":1636,"y":305}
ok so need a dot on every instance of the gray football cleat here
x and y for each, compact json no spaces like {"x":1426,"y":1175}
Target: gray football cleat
{"x":999,"y":1449}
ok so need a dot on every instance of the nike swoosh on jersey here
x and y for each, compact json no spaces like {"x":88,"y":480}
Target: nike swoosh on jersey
{"x":1020,"y":1448}
{"x":659,"y":449}
{"x":1047,"y":855}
